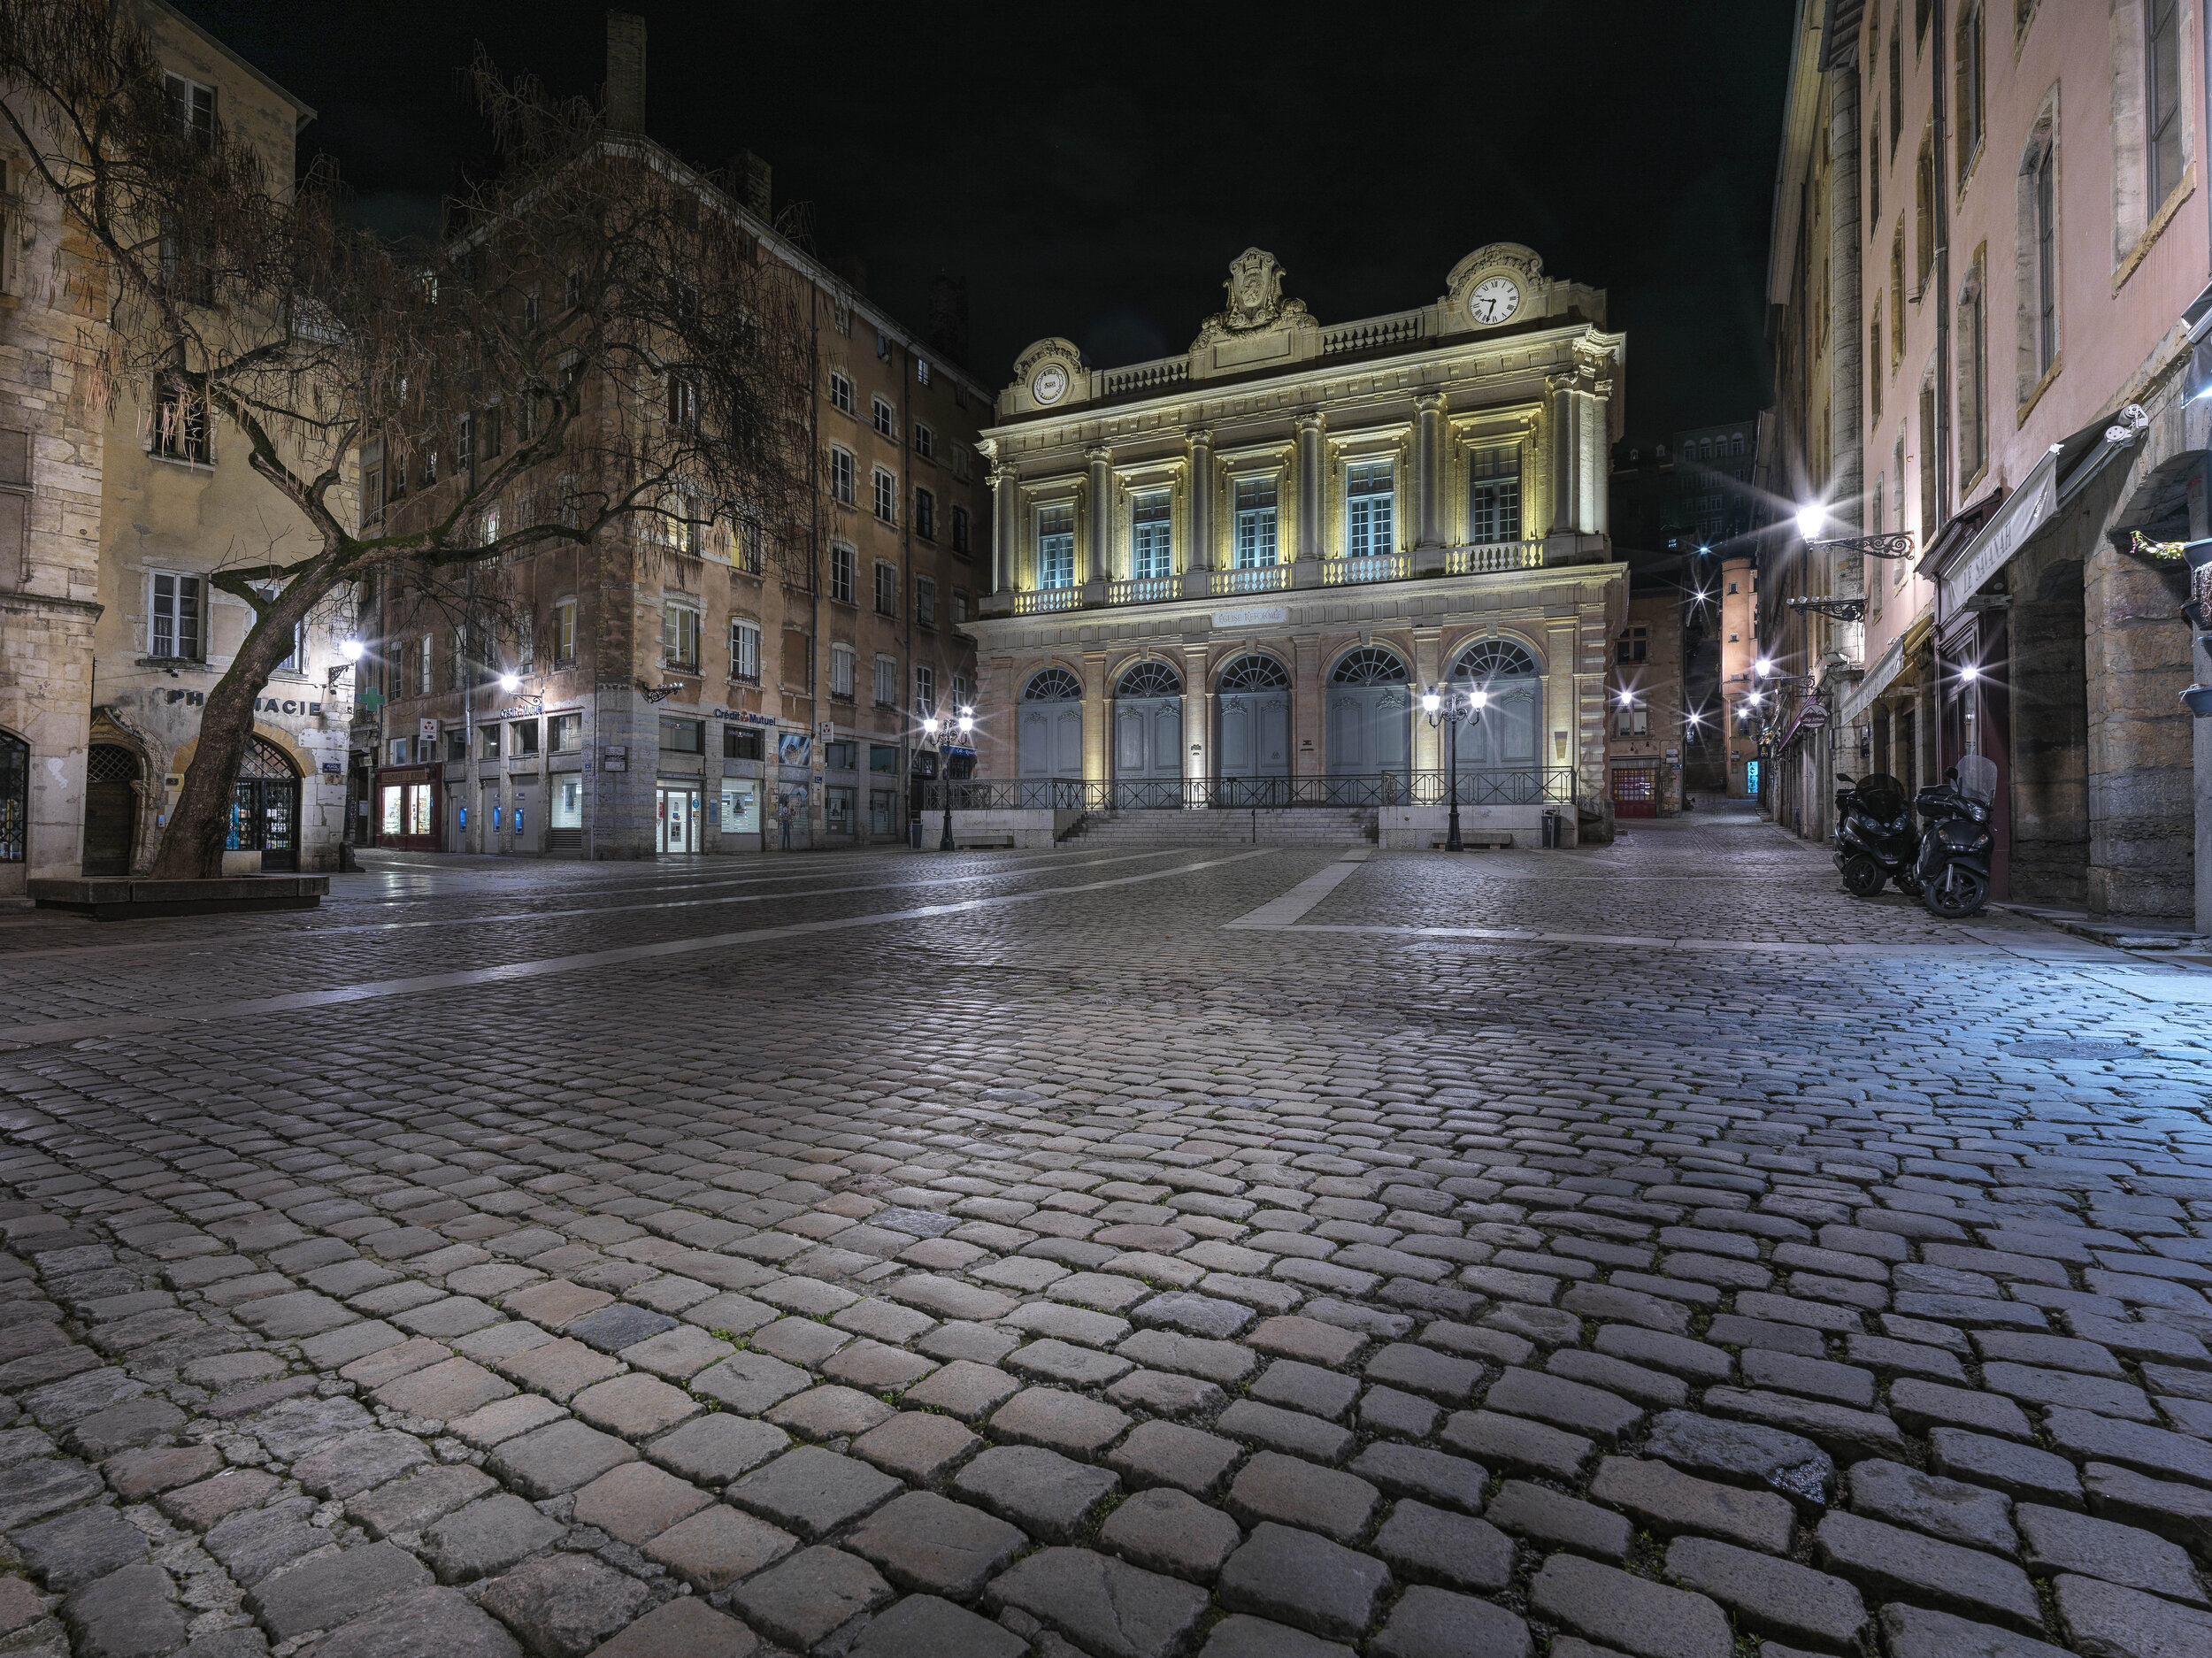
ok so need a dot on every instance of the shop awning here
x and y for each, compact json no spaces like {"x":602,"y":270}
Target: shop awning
{"x":1886,"y":668}
{"x":2062,"y":473}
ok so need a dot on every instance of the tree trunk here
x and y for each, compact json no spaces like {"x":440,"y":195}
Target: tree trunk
{"x":192,"y":846}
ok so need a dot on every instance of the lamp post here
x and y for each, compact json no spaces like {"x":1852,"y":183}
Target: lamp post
{"x":1440,"y":705}
{"x":932,"y":726}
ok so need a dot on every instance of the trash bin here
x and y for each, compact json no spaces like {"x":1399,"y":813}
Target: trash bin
{"x":1551,"y":829}
{"x":914,"y":833}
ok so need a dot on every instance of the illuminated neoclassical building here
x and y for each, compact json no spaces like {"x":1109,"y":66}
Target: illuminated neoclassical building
{"x":1224,"y":577}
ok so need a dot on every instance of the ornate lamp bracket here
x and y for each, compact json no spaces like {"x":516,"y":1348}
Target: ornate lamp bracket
{"x":1843,"y":609}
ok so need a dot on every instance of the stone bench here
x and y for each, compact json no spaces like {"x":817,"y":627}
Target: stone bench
{"x":124,"y":897}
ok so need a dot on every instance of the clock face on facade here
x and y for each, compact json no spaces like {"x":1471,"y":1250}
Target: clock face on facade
{"x":1050,"y":384}
{"x":1494,"y":300}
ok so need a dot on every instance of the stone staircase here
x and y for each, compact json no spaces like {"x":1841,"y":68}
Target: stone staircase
{"x":1313,"y":825}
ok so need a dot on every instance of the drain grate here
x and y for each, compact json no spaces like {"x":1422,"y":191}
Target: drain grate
{"x":2074,"y":1050}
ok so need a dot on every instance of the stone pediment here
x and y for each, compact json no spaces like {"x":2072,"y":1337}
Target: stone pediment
{"x":1258,"y":325}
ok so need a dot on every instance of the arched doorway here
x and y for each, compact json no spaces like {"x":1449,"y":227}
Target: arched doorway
{"x":1051,"y":735}
{"x":1149,"y":736}
{"x":1370,"y":719}
{"x":1506,"y":735}
{"x":265,"y":810}
{"x":1253,"y":742}
{"x":15,"y":798}
{"x":110,"y":809}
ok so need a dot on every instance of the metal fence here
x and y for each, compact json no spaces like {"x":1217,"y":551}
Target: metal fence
{"x":1505,"y":785}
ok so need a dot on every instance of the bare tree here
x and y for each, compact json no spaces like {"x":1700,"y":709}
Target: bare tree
{"x":594,"y":343}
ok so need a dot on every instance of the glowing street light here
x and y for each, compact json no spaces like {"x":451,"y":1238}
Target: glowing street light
{"x":350,"y":650}
{"x":1969,"y":673}
{"x":509,"y":683}
{"x":1811,"y":517}
{"x":1763,"y":667}
{"x":933,"y":726}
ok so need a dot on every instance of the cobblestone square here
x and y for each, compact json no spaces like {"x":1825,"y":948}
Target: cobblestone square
{"x":1645,"y":1250}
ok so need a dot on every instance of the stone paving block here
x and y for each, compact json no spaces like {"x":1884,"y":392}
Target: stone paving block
{"x":1165,"y":1395}
{"x":677,"y":1355}
{"x":1913,"y":1631}
{"x":2106,"y":1618}
{"x":2018,"y":1470}
{"x":730,"y":1314}
{"x":69,"y":1552}
{"x":800,"y":1341}
{"x":964,"y":1389}
{"x":1511,"y":1442}
{"x":564,"y":1605}
{"x":1654,"y":1390}
{"x":1586,"y":1411}
{"x":1637,"y":1616}
{"x":812,"y":1595}
{"x":636,"y":1501}
{"x":119,"y":1427}
{"x":254,"y":1542}
{"x":1059,"y":1421}
{"x":829,"y":1413}
{"x":635,"y":1407}
{"x":1948,"y":1509}
{"x":1064,"y":1362}
{"x":560,"y":1369}
{"x":1548,"y":1517}
{"x":1167,"y":1453}
{"x":1291,"y":1430}
{"x":1769,"y":1596}
{"x":1041,"y":1490}
{"x":425,"y":1624}
{"x":1744,"y":1453}
{"x":1669,"y":1501}
{"x":1299,"y":1578}
{"x":1898,"y":1564}
{"x":1272,"y":1486}
{"x":1103,"y":1605}
{"x":749,"y":1383}
{"x":504,"y":1419}
{"x":948,"y":1298}
{"x":486,"y":1537}
{"x":923,"y":1626}
{"x":812,"y":1491}
{"x":135,"y":1476}
{"x":1434,"y":1623}
{"x":717,"y":1448}
{"x":416,"y":1502}
{"x":1923,"y":1405}
{"x":681,"y":1628}
{"x":926,"y":1542}
{"x":1820,"y":1379}
{"x":1306,"y":1387}
{"x":1845,"y":1434}
{"x":386,"y":1364}
{"x":1305,"y":1338}
{"x":717,"y":1547}
{"x":1168,"y":1530}
{"x":289,"y":1317}
{"x":2131,"y":1444}
{"x":2059,"y":1540}
{"x":1202,"y":1315}
{"x":335,"y":1589}
{"x":1241,"y":1636}
{"x":1222,"y":1362}
{"x":2181,"y":1514}
{"x":1429,"y":1545}
{"x":611,"y":1329}
{"x":358,"y":1461}
{"x":1405,"y":1471}
{"x":201,"y":1506}
{"x":557,"y":1458}
{"x":127,"y":1614}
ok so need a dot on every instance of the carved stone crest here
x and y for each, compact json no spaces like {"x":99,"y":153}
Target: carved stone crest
{"x":1256,"y":297}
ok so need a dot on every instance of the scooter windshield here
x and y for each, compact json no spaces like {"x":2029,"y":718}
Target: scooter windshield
{"x":1977,"y":778}
{"x":1882,"y":794}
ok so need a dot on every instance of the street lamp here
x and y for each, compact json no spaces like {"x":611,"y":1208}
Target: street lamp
{"x":509,"y":683}
{"x":932,"y":726}
{"x":1438,"y":705}
{"x":350,"y":650}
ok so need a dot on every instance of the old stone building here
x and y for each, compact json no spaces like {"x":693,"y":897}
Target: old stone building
{"x":1222,"y":579}
{"x":115,"y":508}
{"x":685,"y":692}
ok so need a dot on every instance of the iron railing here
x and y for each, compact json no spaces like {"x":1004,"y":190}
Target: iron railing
{"x":1479,"y":785}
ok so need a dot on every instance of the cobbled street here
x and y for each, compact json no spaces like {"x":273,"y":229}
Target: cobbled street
{"x":1262,"y":1253}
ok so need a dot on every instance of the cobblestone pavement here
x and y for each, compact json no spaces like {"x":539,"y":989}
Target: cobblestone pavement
{"x":1251,"y":1253}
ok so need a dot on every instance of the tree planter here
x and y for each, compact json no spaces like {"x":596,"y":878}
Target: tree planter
{"x":124,"y":898}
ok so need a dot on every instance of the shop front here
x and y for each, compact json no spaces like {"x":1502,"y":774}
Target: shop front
{"x":407,"y":809}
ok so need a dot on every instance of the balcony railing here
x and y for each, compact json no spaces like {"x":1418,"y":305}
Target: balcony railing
{"x":1488,"y":786}
{"x":1337,"y":572}
{"x":1142,"y":590}
{"x":1372,"y":332}
{"x":1044,"y":599}
{"x":1487,"y":556}
{"x":1113,"y":382}
{"x":1260,"y":578}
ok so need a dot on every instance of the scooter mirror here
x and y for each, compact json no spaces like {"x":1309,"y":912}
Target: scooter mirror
{"x":1951,"y":776}
{"x":1843,"y":777}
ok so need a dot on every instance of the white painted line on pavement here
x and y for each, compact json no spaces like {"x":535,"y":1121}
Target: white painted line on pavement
{"x":18,"y":1036}
{"x":1280,"y":912}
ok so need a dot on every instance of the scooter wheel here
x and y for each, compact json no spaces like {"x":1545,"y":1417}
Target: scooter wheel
{"x":1957,"y":893}
{"x":1862,"y":876}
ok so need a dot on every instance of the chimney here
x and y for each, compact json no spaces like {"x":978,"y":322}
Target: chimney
{"x":754,"y":181}
{"x":947,"y":329}
{"x":626,"y":72}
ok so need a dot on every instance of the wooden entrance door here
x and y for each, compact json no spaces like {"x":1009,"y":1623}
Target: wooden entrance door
{"x":110,"y":809}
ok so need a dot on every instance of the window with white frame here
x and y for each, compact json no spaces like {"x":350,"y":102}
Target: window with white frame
{"x":464,"y":443}
{"x":1151,"y":536}
{"x":744,"y":649}
{"x":1369,"y":495}
{"x":925,"y":602}
{"x":924,"y":440}
{"x":887,"y":685}
{"x":925,"y":689}
{"x":841,"y":475}
{"x":921,"y":370}
{"x":843,"y":661}
{"x":2041,"y":263}
{"x":564,"y":630}
{"x":841,"y":391}
{"x":963,"y":694}
{"x":961,"y":605}
{"x":841,"y":561}
{"x":1055,"y":547}
{"x":1493,"y":500}
{"x":1255,"y":526}
{"x":191,"y":109}
{"x":1633,"y":719}
{"x":886,"y":503}
{"x":176,"y":619}
{"x":886,"y":588}
{"x":885,"y":417}
{"x":679,"y":637}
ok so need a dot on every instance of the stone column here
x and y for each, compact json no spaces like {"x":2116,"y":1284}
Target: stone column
{"x":1200,"y":554}
{"x":1002,"y":542}
{"x":1566,"y":454}
{"x":1428,"y":741}
{"x":1309,"y":485}
{"x":1427,"y":474}
{"x":1095,"y":711}
{"x":1099,"y":549}
{"x":1198,"y":714}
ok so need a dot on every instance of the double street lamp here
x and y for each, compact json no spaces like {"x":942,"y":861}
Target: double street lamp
{"x":932,"y":726}
{"x":1458,"y":705}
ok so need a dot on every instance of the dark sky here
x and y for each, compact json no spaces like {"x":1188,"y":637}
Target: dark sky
{"x":1091,"y":170}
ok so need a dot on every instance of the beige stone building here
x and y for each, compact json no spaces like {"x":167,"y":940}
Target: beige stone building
{"x":1644,"y":709}
{"x":113,"y":516}
{"x":1223,"y":579}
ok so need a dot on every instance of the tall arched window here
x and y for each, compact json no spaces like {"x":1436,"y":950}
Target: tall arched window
{"x":1506,"y":732}
{"x":1051,"y":734}
{"x":1370,"y":714}
{"x":1254,"y":710}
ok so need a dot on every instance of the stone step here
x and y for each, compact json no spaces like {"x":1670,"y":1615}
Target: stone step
{"x":1321,"y":827}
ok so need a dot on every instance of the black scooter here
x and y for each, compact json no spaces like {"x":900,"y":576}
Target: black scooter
{"x":1875,"y":843}
{"x":1957,"y":843}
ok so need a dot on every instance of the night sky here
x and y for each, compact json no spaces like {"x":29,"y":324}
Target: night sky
{"x":1091,"y":170}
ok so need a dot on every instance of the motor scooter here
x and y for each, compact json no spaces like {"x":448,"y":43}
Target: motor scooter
{"x":1956,"y":843}
{"x":1875,"y":843}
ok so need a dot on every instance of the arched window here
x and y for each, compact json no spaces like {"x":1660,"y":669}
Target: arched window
{"x":1494,"y":659}
{"x":1054,"y":684}
{"x":1149,"y":678}
{"x":1505,"y":733}
{"x":15,"y":797}
{"x":265,"y":813}
{"x":1254,"y":673}
{"x":1370,"y":664}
